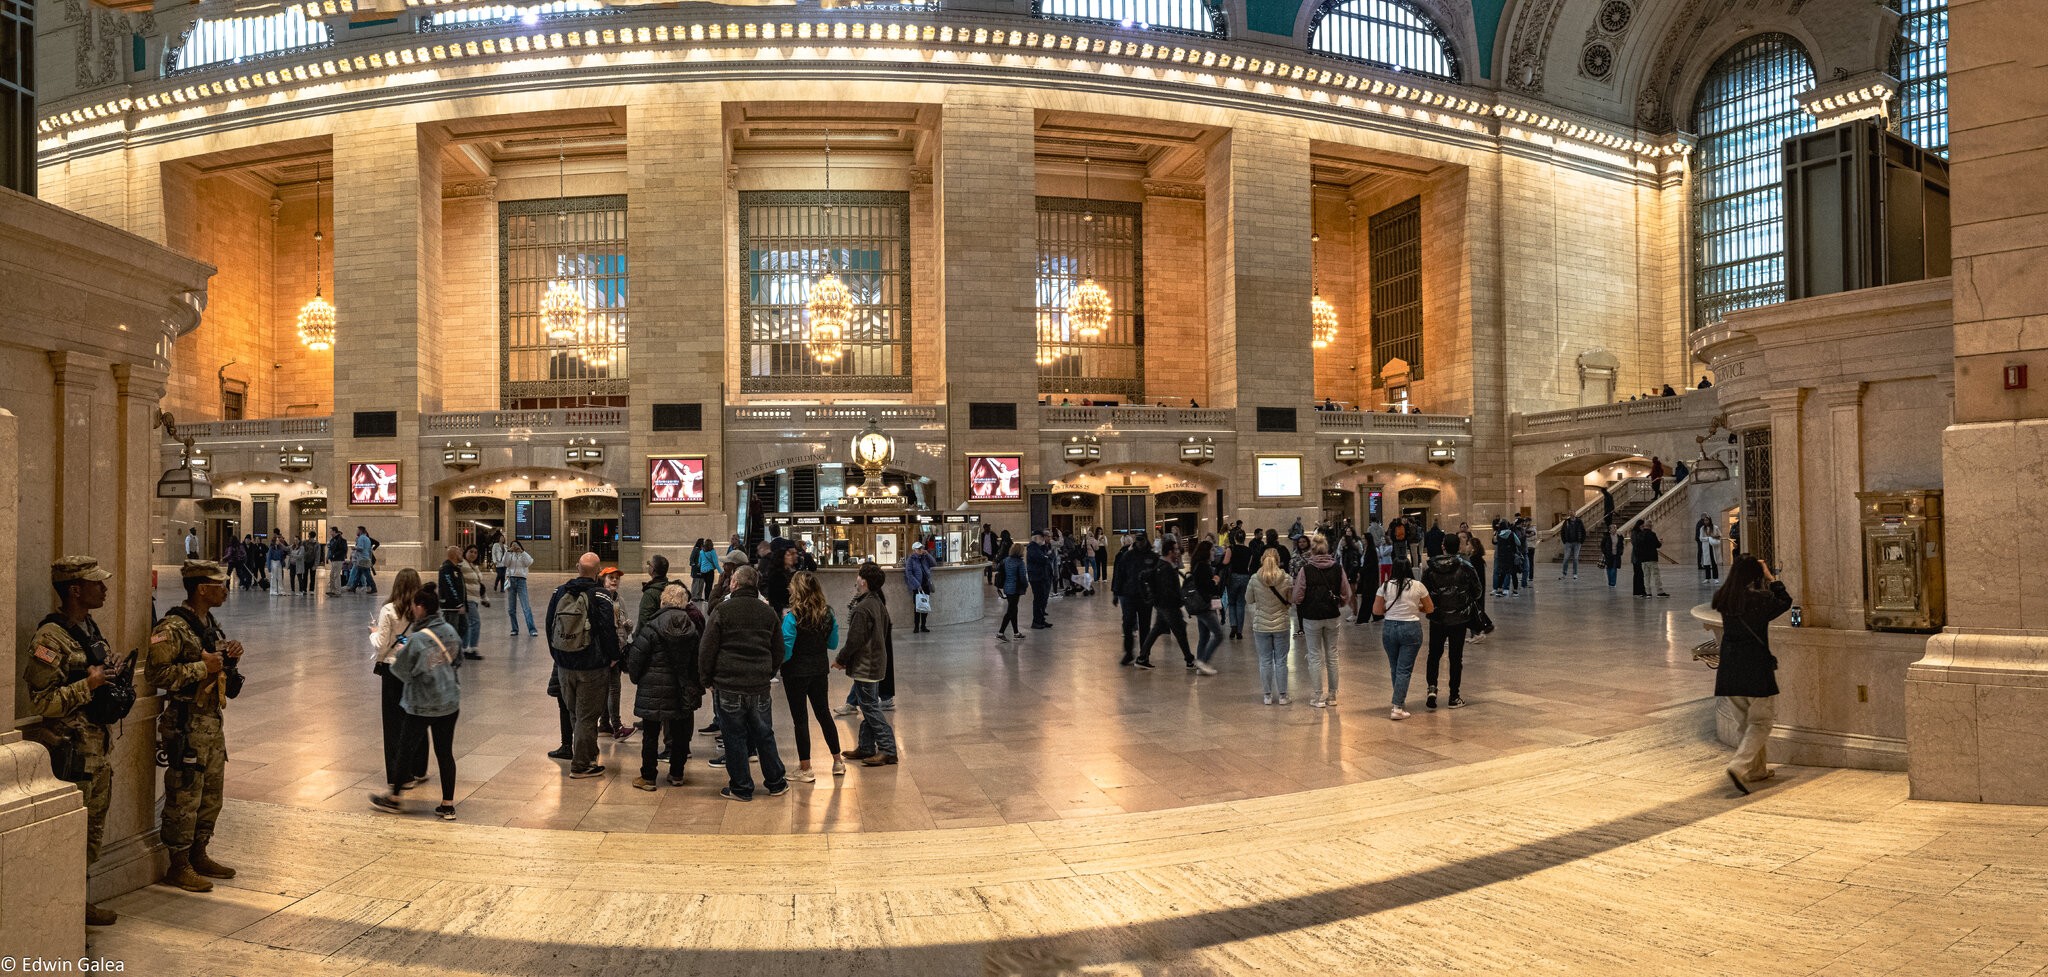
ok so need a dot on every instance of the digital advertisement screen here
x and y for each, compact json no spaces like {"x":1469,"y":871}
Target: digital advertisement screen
{"x":675,"y":480}
{"x":373,"y":483}
{"x":1279,"y":476}
{"x":995,"y":478}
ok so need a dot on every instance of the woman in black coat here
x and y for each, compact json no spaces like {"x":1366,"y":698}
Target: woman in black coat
{"x":662,"y":661}
{"x":1748,"y":601}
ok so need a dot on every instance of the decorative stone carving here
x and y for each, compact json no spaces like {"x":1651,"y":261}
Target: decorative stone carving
{"x":1603,"y":38}
{"x":486,"y":188}
{"x":920,"y":176}
{"x":1596,"y":61}
{"x":1174,"y":190}
{"x":1615,"y":16}
{"x":99,"y":47}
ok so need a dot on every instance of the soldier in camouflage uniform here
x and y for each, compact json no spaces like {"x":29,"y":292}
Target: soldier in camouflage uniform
{"x":68,"y":659}
{"x":192,"y":664}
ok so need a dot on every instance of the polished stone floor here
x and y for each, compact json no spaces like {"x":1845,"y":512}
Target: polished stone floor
{"x":1057,"y":815}
{"x":991,"y":733}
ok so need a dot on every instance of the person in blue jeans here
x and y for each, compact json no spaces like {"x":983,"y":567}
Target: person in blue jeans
{"x":517,"y":563}
{"x":737,"y":658}
{"x":1403,"y":601}
{"x":864,"y":658}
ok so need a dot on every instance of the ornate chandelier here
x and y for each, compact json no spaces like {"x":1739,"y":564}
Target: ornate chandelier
{"x":829,"y":308}
{"x":562,"y":310}
{"x":1322,"y":316}
{"x":316,"y":318}
{"x":1089,"y":308}
{"x":597,"y":343}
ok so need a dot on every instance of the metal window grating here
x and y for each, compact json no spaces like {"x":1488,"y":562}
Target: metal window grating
{"x":503,"y":13}
{"x":1394,"y":236}
{"x":1387,"y":33}
{"x":1108,"y":249}
{"x":18,"y":96}
{"x":1745,"y":111}
{"x":788,"y":240}
{"x":582,"y":240}
{"x":1184,"y":16}
{"x":1920,"y":63}
{"x":1758,"y":537}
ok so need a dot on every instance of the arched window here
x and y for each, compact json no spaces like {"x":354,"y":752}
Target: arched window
{"x":1387,"y":33}
{"x":1184,"y":16}
{"x":1743,"y":114}
{"x":1920,"y":63}
{"x":240,"y":38}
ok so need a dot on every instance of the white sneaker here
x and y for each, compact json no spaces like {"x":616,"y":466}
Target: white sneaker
{"x":1316,"y":701}
{"x":846,"y":710}
{"x":1283,"y":698}
{"x":1397,"y":714}
{"x":1204,"y":668}
{"x":1269,"y":698}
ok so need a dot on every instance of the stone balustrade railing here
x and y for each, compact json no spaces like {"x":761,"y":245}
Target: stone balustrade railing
{"x":1365,"y":423}
{"x":1653,"y":410}
{"x":1137,"y":418}
{"x":489,"y":422}
{"x":849,"y":417}
{"x":257,"y":429}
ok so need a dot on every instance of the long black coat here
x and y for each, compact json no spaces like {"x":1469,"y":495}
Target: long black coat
{"x":663,"y":663}
{"x":1747,"y":666}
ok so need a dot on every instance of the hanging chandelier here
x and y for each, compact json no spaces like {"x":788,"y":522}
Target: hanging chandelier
{"x":829,"y":308}
{"x":1089,"y":307}
{"x":596,"y":342}
{"x":562,"y":310}
{"x":1322,"y":316}
{"x":316,"y":318}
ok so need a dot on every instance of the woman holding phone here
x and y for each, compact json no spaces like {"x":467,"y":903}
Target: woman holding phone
{"x":1748,"y":601}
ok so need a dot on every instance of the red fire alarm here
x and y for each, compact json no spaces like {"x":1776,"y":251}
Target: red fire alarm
{"x":2016,"y":376}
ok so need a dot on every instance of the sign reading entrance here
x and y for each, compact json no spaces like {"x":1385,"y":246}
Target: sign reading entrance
{"x":995,"y":478}
{"x":675,"y":480}
{"x":373,"y":483}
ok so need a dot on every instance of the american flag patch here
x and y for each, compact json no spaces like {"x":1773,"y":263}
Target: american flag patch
{"x":45,"y":655}
{"x":157,"y":639}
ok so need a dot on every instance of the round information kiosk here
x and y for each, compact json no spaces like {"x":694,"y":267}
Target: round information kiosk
{"x":877,"y":524}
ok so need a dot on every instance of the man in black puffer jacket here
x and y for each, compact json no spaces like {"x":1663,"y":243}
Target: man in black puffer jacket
{"x":736,"y":659}
{"x":666,"y":691}
{"x":1454,"y":592}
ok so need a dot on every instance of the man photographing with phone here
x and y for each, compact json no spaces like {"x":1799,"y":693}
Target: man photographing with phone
{"x":78,"y":690}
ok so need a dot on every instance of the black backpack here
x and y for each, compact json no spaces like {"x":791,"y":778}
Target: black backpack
{"x":1453,"y":589}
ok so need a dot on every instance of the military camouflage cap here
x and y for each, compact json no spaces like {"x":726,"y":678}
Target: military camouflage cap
{"x":203,"y":570}
{"x":73,"y":568}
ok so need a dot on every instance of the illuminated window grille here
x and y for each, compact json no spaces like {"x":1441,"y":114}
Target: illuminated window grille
{"x":18,"y":96}
{"x":1386,"y":33}
{"x":788,"y":240}
{"x":1920,"y":63}
{"x":1109,"y":250}
{"x":1184,"y":16}
{"x":505,"y":13}
{"x":1395,"y":261}
{"x":582,"y":241}
{"x":1744,"y":113}
{"x":234,"y":39}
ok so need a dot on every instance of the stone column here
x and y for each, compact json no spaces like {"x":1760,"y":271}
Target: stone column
{"x":1977,"y":705}
{"x":986,"y":185}
{"x":1836,"y":598}
{"x":387,"y":350}
{"x":77,"y":375}
{"x":1176,"y":316}
{"x":42,"y":819}
{"x":1258,"y":249}
{"x":677,"y":260}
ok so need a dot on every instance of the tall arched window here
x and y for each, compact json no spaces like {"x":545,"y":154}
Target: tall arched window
{"x":231,"y":39}
{"x":1744,"y":112}
{"x":1920,"y":63}
{"x":1183,"y":16}
{"x":1388,"y":33}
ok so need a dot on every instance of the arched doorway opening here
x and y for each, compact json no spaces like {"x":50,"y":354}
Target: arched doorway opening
{"x":1144,"y":498}
{"x":1569,"y":484}
{"x":529,"y":504}
{"x":476,"y":520}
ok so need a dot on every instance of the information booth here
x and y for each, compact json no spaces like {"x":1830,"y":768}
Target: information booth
{"x":841,"y":538}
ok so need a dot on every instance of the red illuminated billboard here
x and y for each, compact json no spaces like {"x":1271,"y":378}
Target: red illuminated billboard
{"x":995,"y":478}
{"x":373,"y":483}
{"x":675,"y":480}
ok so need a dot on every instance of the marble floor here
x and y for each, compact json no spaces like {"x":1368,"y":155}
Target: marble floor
{"x":991,"y":733}
{"x":1057,"y":815}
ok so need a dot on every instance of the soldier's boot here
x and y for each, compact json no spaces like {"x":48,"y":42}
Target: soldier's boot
{"x":207,"y":866}
{"x":182,"y":876}
{"x":95,"y":916}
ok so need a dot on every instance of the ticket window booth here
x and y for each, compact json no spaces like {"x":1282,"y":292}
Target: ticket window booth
{"x":1903,"y":575}
{"x":846,"y":539}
